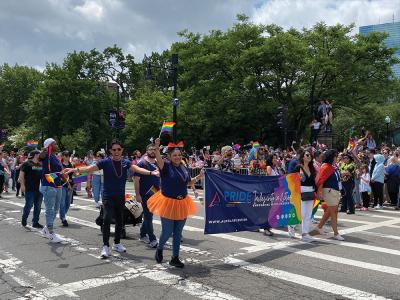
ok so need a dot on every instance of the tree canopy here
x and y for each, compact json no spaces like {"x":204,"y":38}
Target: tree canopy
{"x":229,"y":85}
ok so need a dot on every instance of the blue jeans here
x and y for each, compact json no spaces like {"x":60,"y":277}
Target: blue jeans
{"x":66,"y":197}
{"x":97,"y":187}
{"x":52,"y":199}
{"x":169,"y":227}
{"x":32,"y":199}
{"x":147,"y":225}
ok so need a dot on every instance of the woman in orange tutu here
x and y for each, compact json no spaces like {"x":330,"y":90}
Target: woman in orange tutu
{"x":172,"y":203}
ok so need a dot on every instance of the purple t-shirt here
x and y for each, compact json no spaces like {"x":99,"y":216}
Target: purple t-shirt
{"x":115,"y":175}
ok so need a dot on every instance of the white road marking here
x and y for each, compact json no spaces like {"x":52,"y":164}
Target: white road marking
{"x":382,"y":235}
{"x":313,"y":283}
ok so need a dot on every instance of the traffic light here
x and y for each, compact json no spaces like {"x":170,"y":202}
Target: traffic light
{"x":281,"y":117}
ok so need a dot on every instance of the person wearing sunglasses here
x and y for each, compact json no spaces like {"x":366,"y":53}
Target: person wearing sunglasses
{"x":115,"y":171}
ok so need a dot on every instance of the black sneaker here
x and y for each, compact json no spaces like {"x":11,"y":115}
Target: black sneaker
{"x":23,"y":222}
{"x":175,"y":262}
{"x":65,"y":223}
{"x":37,"y":225}
{"x":159,"y":256}
{"x":268,"y":232}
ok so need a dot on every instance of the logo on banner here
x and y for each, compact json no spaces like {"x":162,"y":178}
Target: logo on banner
{"x":216,"y":201}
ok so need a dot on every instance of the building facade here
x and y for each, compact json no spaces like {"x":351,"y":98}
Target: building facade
{"x":392,"y":41}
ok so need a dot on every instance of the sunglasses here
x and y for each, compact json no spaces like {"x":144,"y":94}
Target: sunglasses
{"x":116,"y":149}
{"x":151,"y":149}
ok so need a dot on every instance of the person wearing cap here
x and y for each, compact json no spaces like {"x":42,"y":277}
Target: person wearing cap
{"x":52,"y":191}
{"x":226,"y":163}
{"x":29,"y":178}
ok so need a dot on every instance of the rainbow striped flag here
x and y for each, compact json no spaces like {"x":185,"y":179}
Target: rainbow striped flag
{"x":255,"y":145}
{"x":152,"y":191}
{"x":315,"y":207}
{"x":167,"y":127}
{"x":51,"y":177}
{"x":32,"y":143}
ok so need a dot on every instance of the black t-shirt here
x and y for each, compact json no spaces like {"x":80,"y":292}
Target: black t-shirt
{"x":33,"y":174}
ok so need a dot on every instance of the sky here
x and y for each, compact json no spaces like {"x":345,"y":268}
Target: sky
{"x":36,"y":32}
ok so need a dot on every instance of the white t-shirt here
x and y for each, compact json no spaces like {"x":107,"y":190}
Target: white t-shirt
{"x":316,"y":125}
{"x":364,"y":182}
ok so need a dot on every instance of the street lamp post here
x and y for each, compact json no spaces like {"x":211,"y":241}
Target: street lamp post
{"x":387,"y":121}
{"x":174,"y":75}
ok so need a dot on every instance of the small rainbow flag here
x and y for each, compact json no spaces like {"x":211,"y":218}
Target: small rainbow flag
{"x":51,"y":177}
{"x":80,"y":178}
{"x":352,"y":146}
{"x":167,"y":127}
{"x":255,"y":144}
{"x":32,"y":143}
{"x":315,"y":207}
{"x":152,"y":191}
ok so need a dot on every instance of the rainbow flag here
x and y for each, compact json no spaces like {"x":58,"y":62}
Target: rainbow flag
{"x":51,"y":177}
{"x":80,"y":178}
{"x":315,"y":207}
{"x":255,"y":145}
{"x":167,"y":127}
{"x":152,"y":191}
{"x":352,"y":146}
{"x":32,"y":143}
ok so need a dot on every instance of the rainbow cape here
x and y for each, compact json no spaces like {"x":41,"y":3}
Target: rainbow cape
{"x":167,"y":127}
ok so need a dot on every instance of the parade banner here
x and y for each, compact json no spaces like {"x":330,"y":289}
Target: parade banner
{"x":236,"y":202}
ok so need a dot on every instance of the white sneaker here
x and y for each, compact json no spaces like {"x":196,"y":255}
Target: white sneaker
{"x":119,"y":248}
{"x":338,"y":237}
{"x":145,"y":239}
{"x":377,"y":207}
{"x":153,"y":244}
{"x":54,"y":238}
{"x":307,"y":238}
{"x":105,"y":253}
{"x":45,"y":232}
{"x":319,"y":230}
{"x":97,"y":204}
{"x":291,"y":231}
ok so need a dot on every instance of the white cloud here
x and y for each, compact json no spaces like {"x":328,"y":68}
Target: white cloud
{"x":46,"y":30}
{"x":306,"y":13}
{"x":91,"y":10}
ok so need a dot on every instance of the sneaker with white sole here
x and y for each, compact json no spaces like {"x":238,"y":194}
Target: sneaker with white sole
{"x":319,"y":230}
{"x":378,"y":207}
{"x":338,"y":237}
{"x":97,"y":204}
{"x":153,"y":244}
{"x":105,"y":253}
{"x":45,"y":231}
{"x":55,"y":238}
{"x":291,"y":231}
{"x":307,"y":238}
{"x":145,"y":239}
{"x":119,"y":248}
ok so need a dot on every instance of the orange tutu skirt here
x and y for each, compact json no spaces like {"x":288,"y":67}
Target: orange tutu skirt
{"x":171,"y":208}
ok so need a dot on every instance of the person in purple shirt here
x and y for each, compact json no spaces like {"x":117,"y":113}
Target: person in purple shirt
{"x":115,"y":170}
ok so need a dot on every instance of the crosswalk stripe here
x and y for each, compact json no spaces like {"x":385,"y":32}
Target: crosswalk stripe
{"x":314,"y":283}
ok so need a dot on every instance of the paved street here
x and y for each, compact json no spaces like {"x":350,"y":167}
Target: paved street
{"x":244,"y":265}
